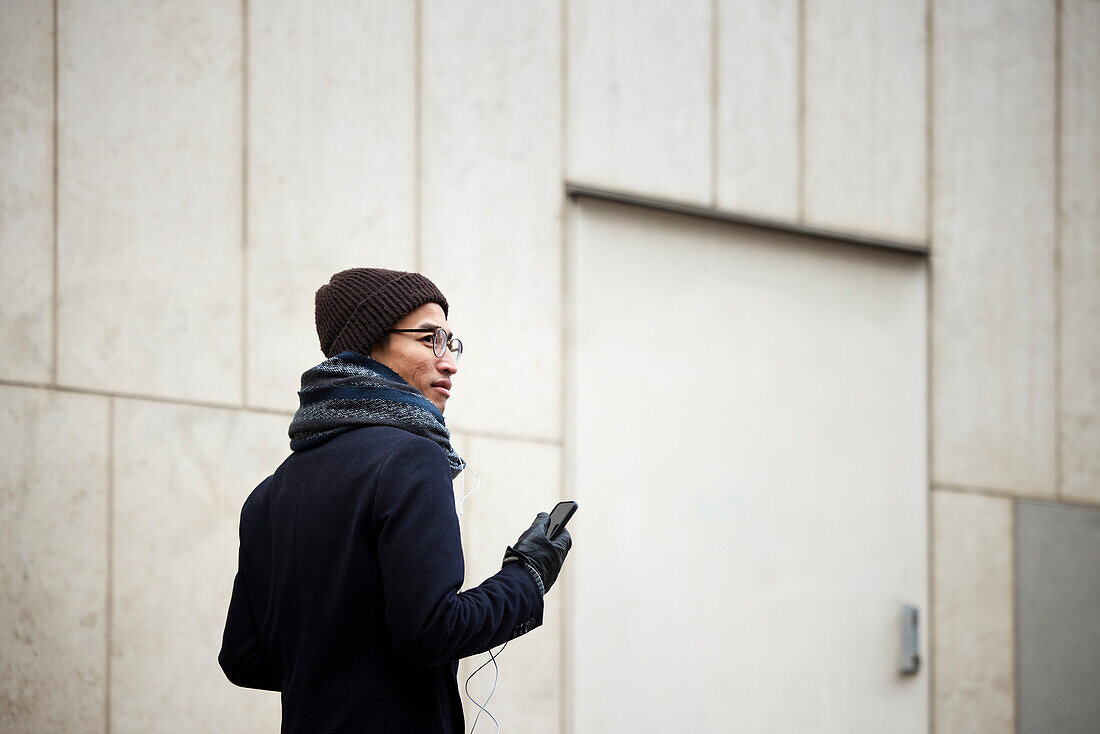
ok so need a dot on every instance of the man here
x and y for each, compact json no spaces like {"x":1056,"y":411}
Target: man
{"x":347,"y":596}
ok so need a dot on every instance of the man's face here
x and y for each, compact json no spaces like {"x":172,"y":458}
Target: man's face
{"x":411,"y":355}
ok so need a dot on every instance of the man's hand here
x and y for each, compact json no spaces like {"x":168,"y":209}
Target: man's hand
{"x":542,"y":556}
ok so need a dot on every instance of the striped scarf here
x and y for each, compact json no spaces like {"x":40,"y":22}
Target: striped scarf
{"x":349,"y":391}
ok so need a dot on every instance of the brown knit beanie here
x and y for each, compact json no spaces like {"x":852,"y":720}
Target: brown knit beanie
{"x":356,"y":307}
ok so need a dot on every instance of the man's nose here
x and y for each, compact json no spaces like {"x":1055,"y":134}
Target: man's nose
{"x":446,"y":363}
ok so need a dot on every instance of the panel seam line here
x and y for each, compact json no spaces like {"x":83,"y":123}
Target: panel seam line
{"x":245,"y":50}
{"x":55,"y":206}
{"x":110,"y":574}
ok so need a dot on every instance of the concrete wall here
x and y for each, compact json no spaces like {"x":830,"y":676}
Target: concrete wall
{"x":1015,"y":355}
{"x":176,"y":179}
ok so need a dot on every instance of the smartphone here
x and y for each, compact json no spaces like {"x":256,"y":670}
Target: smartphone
{"x":559,"y":516}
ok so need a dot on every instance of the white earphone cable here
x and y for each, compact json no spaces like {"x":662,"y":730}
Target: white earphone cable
{"x":482,"y":708}
{"x":465,"y":493}
{"x":496,"y":676}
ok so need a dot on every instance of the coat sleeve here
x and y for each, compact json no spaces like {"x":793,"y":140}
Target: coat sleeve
{"x":242,"y":655}
{"x":420,"y":558}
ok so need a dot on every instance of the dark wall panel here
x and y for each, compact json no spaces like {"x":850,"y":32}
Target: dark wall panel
{"x":1058,"y":628}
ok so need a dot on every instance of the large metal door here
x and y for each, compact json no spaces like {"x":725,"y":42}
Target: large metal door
{"x":746,"y":436}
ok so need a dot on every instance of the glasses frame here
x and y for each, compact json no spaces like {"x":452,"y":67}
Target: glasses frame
{"x":441,"y":342}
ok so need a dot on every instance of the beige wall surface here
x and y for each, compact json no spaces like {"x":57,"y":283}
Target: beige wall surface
{"x":865,"y":111}
{"x":639,"y":96}
{"x":993,"y":297}
{"x":1080,"y":251}
{"x":178,"y":178}
{"x":514,"y":480}
{"x":26,"y":190}
{"x":973,"y":652}
{"x":331,"y":169}
{"x":149,"y":198}
{"x":176,"y":503}
{"x":54,"y":515}
{"x":491,"y":203}
{"x":758,"y":115}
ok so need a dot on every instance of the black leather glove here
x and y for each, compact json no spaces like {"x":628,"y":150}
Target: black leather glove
{"x":542,"y":557}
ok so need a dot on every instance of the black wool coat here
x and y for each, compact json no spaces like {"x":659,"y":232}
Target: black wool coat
{"x":346,"y":598}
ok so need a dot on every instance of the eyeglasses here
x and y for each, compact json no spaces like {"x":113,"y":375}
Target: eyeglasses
{"x":440,"y":341}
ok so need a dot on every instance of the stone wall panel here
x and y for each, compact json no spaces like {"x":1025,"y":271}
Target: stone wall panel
{"x":331,"y":168}
{"x":26,"y":189}
{"x":492,"y":206}
{"x":518,"y":480}
{"x":1080,"y":272}
{"x":177,"y":503}
{"x":149,"y":196}
{"x":53,"y":561}
{"x":640,"y":97}
{"x":993,"y":279}
{"x":972,"y":618}
{"x":866,"y":151}
{"x":1057,"y":595}
{"x":758,"y":113}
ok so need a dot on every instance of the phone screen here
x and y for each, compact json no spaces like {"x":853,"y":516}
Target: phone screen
{"x":559,"y":516}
